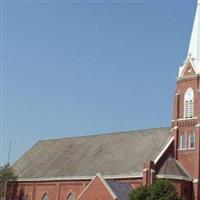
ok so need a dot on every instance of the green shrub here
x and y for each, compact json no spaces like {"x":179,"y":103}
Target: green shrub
{"x":141,"y":193}
{"x":161,"y":190}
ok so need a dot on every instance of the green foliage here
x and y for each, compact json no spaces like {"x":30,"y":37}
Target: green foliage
{"x":6,"y":174}
{"x":163,"y":190}
{"x":160,"y":190}
{"x":141,"y":193}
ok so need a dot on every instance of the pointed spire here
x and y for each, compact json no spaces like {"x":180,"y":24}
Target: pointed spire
{"x":194,"y":47}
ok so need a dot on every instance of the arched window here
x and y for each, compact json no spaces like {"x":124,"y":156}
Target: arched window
{"x":183,"y":141}
{"x":192,"y":140}
{"x":24,"y":197}
{"x":70,"y":197}
{"x":189,"y":103}
{"x":45,"y":197}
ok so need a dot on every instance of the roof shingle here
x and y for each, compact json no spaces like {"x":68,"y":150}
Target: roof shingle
{"x":108,"y":154}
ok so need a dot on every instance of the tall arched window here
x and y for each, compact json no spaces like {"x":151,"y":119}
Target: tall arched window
{"x":189,"y":103}
{"x":24,"y":197}
{"x":183,"y":141}
{"x":45,"y":197}
{"x":70,"y":197}
{"x":192,"y":140}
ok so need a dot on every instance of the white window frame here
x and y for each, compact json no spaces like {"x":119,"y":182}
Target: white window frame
{"x":70,"y":195}
{"x":192,"y":134}
{"x":45,"y":196}
{"x":189,"y":103}
{"x":181,"y":142}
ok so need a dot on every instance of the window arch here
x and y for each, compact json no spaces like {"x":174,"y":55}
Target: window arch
{"x":189,"y":103}
{"x":192,"y":140}
{"x":70,"y":197}
{"x":24,"y":197}
{"x":45,"y":197}
{"x":183,"y":141}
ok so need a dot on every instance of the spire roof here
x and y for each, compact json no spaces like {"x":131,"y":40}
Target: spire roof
{"x":194,"y":47}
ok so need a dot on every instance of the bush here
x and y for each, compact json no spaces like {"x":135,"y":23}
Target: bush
{"x":141,"y":193}
{"x":160,"y":190}
{"x":7,"y":174}
{"x":163,"y":190}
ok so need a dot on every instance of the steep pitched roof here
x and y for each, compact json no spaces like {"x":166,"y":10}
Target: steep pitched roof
{"x":121,"y":190}
{"x":108,"y":154}
{"x":118,"y":190}
{"x":172,"y":168}
{"x":194,"y":47}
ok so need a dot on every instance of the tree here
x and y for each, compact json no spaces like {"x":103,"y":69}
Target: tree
{"x":161,"y":190}
{"x":141,"y":193}
{"x":6,"y":174}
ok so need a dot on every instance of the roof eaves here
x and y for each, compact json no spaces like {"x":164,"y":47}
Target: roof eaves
{"x":67,"y":178}
{"x":174,"y":177}
{"x":164,"y":149}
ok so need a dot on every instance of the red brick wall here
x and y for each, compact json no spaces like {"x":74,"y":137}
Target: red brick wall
{"x":55,"y":190}
{"x":59,"y":190}
{"x":189,"y":158}
{"x":96,"y":191}
{"x":184,"y":189}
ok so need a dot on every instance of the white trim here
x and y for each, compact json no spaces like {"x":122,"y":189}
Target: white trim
{"x":183,"y":68}
{"x":70,"y":193}
{"x":183,"y":149}
{"x":45,"y":195}
{"x":77,"y":178}
{"x":174,"y":128}
{"x":104,"y":183}
{"x":196,"y":180}
{"x":198,"y":125}
{"x":184,"y":119}
{"x":181,"y":142}
{"x":134,"y":175}
{"x":189,"y":103}
{"x":86,"y":187}
{"x":107,"y":186}
{"x":191,"y":148}
{"x":164,"y":149}
{"x":174,"y":177}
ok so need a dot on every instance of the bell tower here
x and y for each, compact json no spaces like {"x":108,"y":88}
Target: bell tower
{"x":186,"y":117}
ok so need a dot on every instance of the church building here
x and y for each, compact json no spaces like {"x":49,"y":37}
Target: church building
{"x":110,"y":166}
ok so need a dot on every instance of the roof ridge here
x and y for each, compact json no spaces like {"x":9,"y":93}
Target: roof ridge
{"x":184,"y":170}
{"x":103,"y":134}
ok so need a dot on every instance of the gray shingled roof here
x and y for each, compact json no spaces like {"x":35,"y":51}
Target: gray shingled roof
{"x":121,"y":190}
{"x":108,"y":154}
{"x":172,"y":167}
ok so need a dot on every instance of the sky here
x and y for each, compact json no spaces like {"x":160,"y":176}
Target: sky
{"x":73,"y":68}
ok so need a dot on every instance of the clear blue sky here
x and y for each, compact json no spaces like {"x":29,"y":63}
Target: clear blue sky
{"x":86,"y":67}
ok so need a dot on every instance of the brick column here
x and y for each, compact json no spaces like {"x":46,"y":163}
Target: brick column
{"x":148,"y":173}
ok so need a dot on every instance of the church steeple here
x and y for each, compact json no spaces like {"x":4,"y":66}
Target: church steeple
{"x":193,"y":56}
{"x":186,"y":120}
